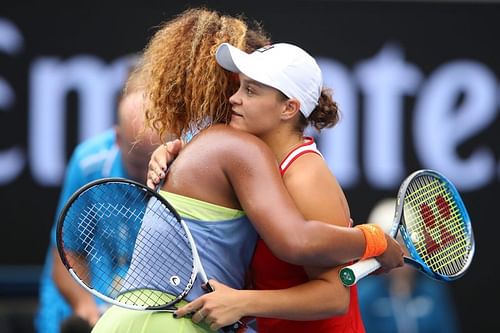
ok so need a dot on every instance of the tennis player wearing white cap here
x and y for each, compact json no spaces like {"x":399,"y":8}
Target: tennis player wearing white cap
{"x":280,"y":94}
{"x":285,"y":67}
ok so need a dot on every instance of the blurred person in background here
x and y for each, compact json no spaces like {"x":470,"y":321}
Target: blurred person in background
{"x":404,"y":300}
{"x":122,"y":151}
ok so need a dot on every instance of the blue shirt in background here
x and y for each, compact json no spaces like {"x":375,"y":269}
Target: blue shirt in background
{"x":427,"y":308}
{"x":95,"y":158}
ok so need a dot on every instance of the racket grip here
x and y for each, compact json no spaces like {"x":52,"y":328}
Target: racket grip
{"x":234,"y":328}
{"x":351,"y":274}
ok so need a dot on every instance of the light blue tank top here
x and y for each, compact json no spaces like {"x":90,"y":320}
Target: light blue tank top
{"x":224,"y":237}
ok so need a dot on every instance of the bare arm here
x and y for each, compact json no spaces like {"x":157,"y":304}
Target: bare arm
{"x":226,"y":305}
{"x":254,"y":175}
{"x":251,"y":170}
{"x":80,"y":300}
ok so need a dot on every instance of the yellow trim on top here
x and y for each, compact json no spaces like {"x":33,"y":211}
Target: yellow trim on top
{"x":200,"y":210}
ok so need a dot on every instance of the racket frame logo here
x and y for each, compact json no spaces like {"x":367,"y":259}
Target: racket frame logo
{"x":175,"y":280}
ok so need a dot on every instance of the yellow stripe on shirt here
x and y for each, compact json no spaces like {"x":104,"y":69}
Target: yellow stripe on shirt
{"x":200,"y":210}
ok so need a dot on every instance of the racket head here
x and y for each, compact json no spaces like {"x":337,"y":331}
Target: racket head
{"x":435,"y":225}
{"x":127,"y":245}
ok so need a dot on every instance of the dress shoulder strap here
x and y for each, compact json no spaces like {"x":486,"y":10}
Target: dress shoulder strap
{"x":309,"y":146}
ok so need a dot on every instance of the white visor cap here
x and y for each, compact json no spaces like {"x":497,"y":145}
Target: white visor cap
{"x":283,"y":66}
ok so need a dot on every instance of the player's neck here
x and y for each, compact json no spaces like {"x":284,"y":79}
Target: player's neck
{"x":282,"y":145}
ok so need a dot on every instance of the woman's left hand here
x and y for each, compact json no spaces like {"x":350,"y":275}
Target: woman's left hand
{"x":160,"y":158}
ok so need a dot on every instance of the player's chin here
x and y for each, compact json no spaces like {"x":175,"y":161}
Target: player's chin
{"x":237,"y":123}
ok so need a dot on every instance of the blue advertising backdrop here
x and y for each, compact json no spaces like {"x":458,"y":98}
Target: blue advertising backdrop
{"x":417,"y":85}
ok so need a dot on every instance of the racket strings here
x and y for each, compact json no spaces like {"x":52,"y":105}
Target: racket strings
{"x":165,"y":257}
{"x":141,"y":268}
{"x":100,"y":245}
{"x":128,"y":246}
{"x":436,"y":226}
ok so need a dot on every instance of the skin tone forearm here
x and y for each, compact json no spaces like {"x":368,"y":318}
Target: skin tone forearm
{"x":314,"y":300}
{"x":80,"y":300}
{"x":302,"y":302}
{"x":349,"y":243}
{"x":291,"y":239}
{"x":323,"y":296}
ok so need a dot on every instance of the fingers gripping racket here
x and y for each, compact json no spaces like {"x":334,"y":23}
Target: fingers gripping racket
{"x":127,"y":245}
{"x":435,"y":228}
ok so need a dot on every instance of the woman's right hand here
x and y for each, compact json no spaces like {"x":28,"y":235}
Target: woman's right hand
{"x":160,"y":158}
{"x":393,"y":255}
{"x":222,"y":307}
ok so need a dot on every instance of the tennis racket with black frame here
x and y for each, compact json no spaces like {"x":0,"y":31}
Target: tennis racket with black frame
{"x":117,"y":222}
{"x":435,"y":227}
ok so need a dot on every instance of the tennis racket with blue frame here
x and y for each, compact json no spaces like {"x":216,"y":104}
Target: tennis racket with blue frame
{"x":435,"y":227}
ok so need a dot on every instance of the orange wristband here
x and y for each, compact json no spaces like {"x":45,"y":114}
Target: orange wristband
{"x":376,"y":244}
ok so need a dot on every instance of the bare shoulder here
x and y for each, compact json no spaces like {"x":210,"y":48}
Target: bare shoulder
{"x":309,"y":170}
{"x":235,"y":143}
{"x":228,"y":167}
{"x":219,"y":161}
{"x":316,"y":190}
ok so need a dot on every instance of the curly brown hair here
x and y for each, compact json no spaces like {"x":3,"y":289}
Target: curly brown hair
{"x":325,"y":115}
{"x":187,"y":90}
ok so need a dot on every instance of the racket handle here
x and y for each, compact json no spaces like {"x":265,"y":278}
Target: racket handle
{"x":351,"y":274}
{"x":234,"y":328}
